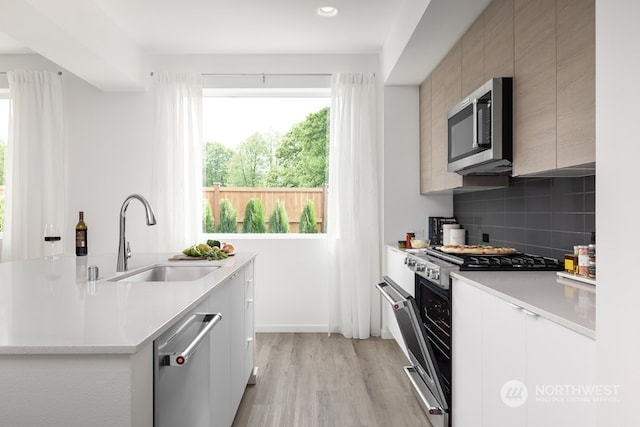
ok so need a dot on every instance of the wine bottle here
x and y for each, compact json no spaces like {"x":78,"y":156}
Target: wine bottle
{"x":81,"y":236}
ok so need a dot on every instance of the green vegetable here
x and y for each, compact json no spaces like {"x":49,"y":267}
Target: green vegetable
{"x":215,"y":254}
{"x":213,"y":243}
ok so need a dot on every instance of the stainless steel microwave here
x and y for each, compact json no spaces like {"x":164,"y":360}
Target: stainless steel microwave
{"x":480,"y":130}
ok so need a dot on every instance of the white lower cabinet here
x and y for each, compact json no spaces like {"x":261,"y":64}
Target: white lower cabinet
{"x":398,"y":271}
{"x":514,"y":368}
{"x":232,"y":344}
{"x":220,"y":383}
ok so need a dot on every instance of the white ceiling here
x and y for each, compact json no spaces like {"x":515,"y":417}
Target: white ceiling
{"x":106,"y":42}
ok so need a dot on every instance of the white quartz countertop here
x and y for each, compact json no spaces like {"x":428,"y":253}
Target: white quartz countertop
{"x":566,"y":302}
{"x":48,"y":306}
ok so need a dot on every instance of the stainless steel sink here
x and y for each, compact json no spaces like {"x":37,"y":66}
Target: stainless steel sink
{"x":167,"y":273}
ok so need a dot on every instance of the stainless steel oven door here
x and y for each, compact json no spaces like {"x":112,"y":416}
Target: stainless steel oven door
{"x":423,"y":375}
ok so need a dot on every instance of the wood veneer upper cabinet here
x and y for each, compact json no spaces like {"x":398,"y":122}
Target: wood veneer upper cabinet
{"x":426,"y":181}
{"x":473,"y":57}
{"x":438,"y":128}
{"x":576,"y":71}
{"x":534,"y":114}
{"x":452,"y":95}
{"x":498,"y":39}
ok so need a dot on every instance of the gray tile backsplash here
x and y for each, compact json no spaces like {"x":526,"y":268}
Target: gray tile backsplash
{"x":544,"y":216}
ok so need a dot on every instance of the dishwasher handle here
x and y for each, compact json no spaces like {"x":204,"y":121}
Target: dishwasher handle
{"x":181,"y":358}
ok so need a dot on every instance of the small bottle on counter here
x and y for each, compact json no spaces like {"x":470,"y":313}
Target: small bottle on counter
{"x":409,"y":237}
{"x":82,"y":248}
{"x":583,"y":260}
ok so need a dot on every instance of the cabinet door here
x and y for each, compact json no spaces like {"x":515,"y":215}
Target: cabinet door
{"x":576,"y":82}
{"x":249,"y":325}
{"x":237,"y":341}
{"x":426,"y":181}
{"x":503,"y":361}
{"x":466,"y":354}
{"x":399,"y":273}
{"x":534,"y":112}
{"x":561,"y":366}
{"x":438,"y":128}
{"x":498,"y":39}
{"x":473,"y":57}
{"x":452,"y":95}
{"x":220,"y":384}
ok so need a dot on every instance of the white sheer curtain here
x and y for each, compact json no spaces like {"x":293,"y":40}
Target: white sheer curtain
{"x":35,"y":163}
{"x":353,"y":220}
{"x":177,"y":160}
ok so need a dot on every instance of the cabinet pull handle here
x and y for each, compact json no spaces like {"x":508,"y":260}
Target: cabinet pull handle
{"x":249,"y":300}
{"x":528,"y":313}
{"x":524,"y":310}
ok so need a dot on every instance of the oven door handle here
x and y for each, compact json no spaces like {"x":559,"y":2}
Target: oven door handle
{"x":384,"y":289}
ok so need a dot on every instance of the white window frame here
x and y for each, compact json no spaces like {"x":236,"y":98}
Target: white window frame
{"x":267,"y":85}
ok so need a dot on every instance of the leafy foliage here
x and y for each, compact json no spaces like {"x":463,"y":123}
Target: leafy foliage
{"x":279,"y":220}
{"x":216,"y":158}
{"x":308,"y":218}
{"x":208,"y":226}
{"x":228,"y":218}
{"x":254,"y":217}
{"x":1,"y":213}
{"x":250,"y":163}
{"x":301,"y":157}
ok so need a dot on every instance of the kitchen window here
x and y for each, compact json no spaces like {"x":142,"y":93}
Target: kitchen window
{"x":265,"y":156}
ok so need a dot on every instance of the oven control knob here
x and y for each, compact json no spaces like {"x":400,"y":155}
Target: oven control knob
{"x":411,"y":262}
{"x":420,"y":267}
{"x":435,"y":274}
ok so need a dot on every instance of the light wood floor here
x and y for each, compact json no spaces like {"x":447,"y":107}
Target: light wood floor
{"x":315,"y":380}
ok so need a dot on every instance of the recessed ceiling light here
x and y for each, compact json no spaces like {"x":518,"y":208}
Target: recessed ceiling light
{"x":327,"y":11}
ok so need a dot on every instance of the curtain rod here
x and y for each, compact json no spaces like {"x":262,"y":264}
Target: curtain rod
{"x":5,"y":72}
{"x":263,"y":74}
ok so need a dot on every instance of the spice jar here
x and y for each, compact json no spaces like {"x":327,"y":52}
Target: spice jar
{"x":583,"y":260}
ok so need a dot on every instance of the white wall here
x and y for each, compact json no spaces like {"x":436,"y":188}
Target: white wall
{"x":405,"y":209}
{"x":617,"y":154}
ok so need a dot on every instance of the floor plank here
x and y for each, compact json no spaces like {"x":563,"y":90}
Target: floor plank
{"x":316,"y":380}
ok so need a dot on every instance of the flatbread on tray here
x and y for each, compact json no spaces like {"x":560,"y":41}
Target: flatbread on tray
{"x":477,"y":250}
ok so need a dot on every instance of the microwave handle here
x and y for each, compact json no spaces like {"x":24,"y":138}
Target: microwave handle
{"x":475,"y":123}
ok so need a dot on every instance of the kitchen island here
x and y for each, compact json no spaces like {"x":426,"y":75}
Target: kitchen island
{"x":75,"y":352}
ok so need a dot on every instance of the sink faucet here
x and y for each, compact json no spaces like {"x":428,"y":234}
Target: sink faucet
{"x":124,"y":250}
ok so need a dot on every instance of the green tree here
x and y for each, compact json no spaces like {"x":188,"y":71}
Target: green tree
{"x":301,"y":157}
{"x":207,"y":226}
{"x":228,"y":218}
{"x":308,"y":218}
{"x":216,"y":164}
{"x":250,"y":163}
{"x":1,"y":213}
{"x":279,"y":220}
{"x":254,"y":217}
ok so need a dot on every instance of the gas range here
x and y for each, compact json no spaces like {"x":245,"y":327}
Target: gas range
{"x":512,"y":262}
{"x":434,"y":269}
{"x":436,"y":265}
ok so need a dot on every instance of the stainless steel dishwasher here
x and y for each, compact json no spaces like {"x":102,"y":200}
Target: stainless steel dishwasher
{"x":182,"y":372}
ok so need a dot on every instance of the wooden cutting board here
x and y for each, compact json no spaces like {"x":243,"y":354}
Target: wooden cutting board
{"x":182,"y":257}
{"x":477,"y":250}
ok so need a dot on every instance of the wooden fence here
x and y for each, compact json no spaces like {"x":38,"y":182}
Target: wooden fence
{"x":294,"y":200}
